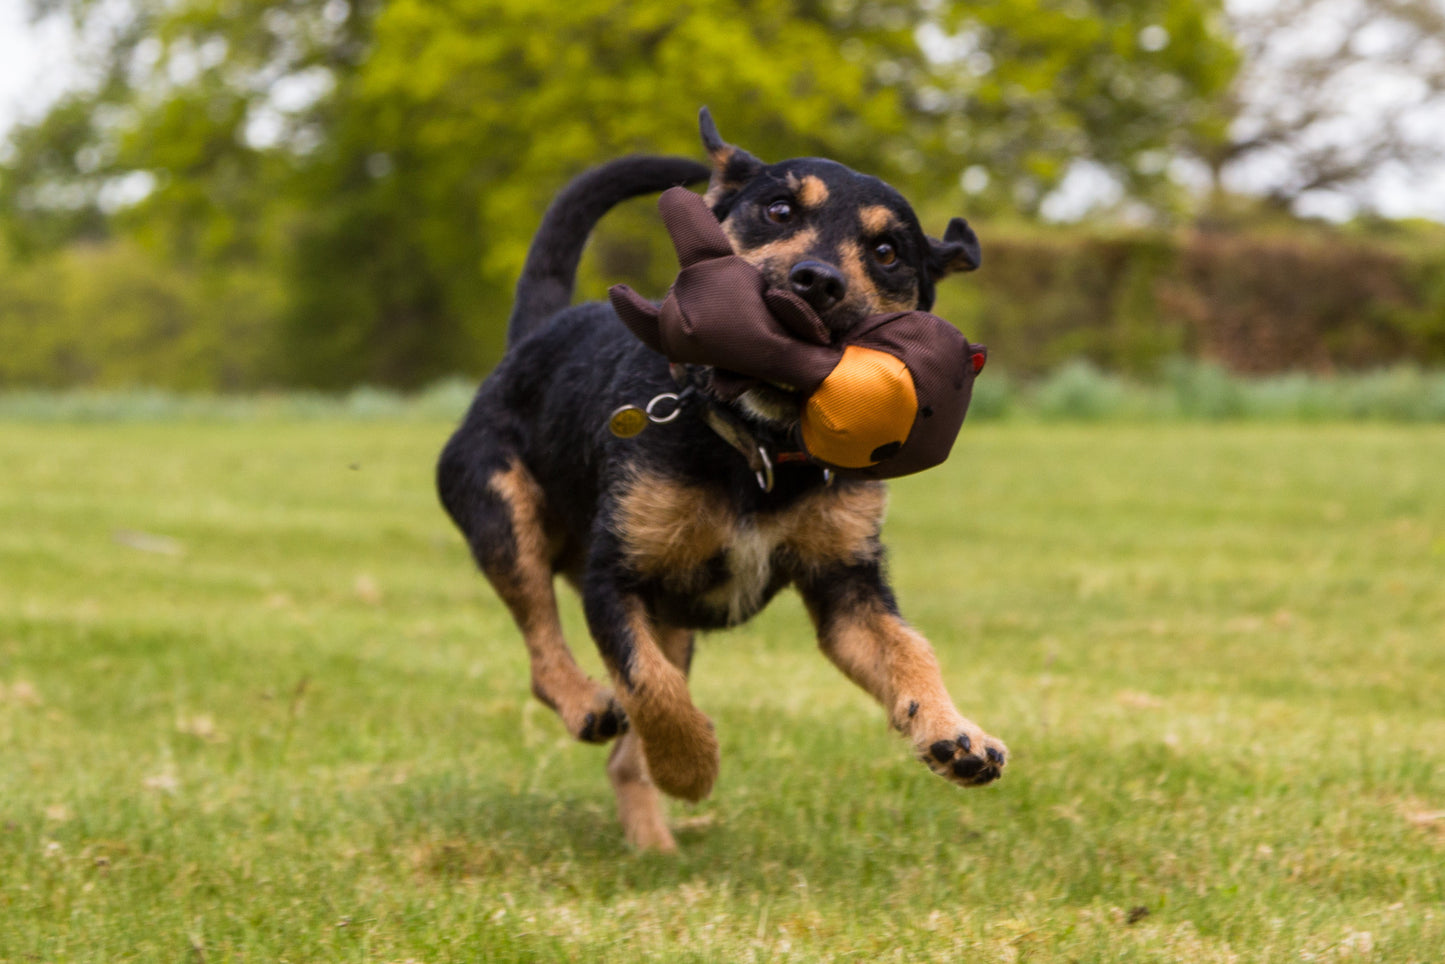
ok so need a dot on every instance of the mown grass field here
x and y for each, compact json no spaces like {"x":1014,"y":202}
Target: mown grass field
{"x":255,"y":704}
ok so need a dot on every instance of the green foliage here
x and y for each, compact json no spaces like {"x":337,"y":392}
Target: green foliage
{"x":473,"y":113}
{"x":1045,"y":299}
{"x":1257,"y":301}
{"x":45,"y":202}
{"x":1192,"y":391}
{"x":1075,"y":392}
{"x":1039,"y":84}
{"x":1260,"y":303}
{"x":256,"y":703}
{"x":388,"y":164}
{"x":113,"y":315}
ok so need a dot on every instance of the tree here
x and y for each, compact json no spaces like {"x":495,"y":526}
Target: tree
{"x":1021,"y":90}
{"x":391,"y":162}
{"x":1332,"y":93}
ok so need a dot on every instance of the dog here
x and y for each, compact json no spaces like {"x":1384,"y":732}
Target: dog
{"x":696,"y":522}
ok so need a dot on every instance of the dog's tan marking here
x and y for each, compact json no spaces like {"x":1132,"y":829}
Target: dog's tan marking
{"x":639,"y":805}
{"x":523,"y":497}
{"x":750,"y":568}
{"x":526,"y":589}
{"x":717,"y":184}
{"x":671,"y":532}
{"x":782,"y":253}
{"x":877,"y":219}
{"x":810,"y":190}
{"x":887,"y":658}
{"x":837,"y":525}
{"x":863,"y":294}
{"x":678,"y":741}
{"x":676,"y":644}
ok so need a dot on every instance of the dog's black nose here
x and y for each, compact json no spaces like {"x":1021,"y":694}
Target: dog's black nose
{"x":820,"y":285}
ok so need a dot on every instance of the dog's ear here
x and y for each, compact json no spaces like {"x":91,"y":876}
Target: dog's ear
{"x":732,"y":167}
{"x":958,"y":251}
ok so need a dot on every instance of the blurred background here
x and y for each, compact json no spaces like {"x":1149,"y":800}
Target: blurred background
{"x":237,"y":195}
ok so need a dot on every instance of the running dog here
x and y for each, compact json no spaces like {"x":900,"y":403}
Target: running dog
{"x":697,"y":523}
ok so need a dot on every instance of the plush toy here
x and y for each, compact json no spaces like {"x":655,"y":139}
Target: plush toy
{"x":886,"y":399}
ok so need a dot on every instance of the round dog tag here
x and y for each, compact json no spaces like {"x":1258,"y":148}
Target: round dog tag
{"x":627,"y":421}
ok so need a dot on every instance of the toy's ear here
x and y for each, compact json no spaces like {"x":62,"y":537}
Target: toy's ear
{"x":732,"y":167}
{"x":958,"y":251}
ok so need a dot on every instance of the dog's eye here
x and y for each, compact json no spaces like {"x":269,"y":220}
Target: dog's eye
{"x":884,"y":254}
{"x":780,"y":212}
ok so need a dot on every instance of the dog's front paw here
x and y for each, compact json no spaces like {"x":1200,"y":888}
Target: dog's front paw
{"x":603,"y":723}
{"x":960,"y":752}
{"x":682,"y":752}
{"x":592,"y":715}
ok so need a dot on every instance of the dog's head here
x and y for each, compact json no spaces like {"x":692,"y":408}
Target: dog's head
{"x":846,"y":243}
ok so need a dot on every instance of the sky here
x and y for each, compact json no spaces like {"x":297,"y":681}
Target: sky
{"x":35,"y":67}
{"x":33,"y":64}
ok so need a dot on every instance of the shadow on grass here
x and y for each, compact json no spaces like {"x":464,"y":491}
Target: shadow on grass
{"x":455,"y":828}
{"x":764,"y":834}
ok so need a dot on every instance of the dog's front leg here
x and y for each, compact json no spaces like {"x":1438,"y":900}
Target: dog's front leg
{"x":678,"y":741}
{"x":861,"y":632}
{"x":638,"y":804}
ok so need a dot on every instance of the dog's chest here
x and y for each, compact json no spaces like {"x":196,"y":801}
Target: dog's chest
{"x":701,"y":551}
{"x":742,"y":572}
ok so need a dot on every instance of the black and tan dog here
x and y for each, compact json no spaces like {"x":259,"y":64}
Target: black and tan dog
{"x":696,"y":523}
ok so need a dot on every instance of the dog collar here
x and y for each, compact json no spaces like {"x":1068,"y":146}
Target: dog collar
{"x":736,"y":433}
{"x":629,"y":421}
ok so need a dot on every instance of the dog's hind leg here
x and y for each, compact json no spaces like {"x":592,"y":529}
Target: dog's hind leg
{"x":639,"y":804}
{"x":503,"y":520}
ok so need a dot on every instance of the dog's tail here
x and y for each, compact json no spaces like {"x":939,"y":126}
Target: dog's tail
{"x":545,"y":286}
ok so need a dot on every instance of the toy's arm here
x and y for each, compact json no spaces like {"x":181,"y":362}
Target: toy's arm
{"x":720,"y":310}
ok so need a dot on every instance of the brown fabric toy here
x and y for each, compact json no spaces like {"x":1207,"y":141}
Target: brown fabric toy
{"x":886,"y":400}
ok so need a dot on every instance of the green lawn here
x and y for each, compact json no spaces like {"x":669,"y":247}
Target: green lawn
{"x":256,"y":704}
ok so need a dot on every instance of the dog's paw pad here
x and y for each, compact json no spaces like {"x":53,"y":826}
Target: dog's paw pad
{"x":602,"y":724}
{"x":956,"y":759}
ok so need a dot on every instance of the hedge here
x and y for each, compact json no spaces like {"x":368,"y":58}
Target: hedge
{"x":1318,"y":301}
{"x":1249,"y":302}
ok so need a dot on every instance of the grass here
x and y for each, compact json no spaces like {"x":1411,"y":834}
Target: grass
{"x":255,"y":704}
{"x":1184,"y":390}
